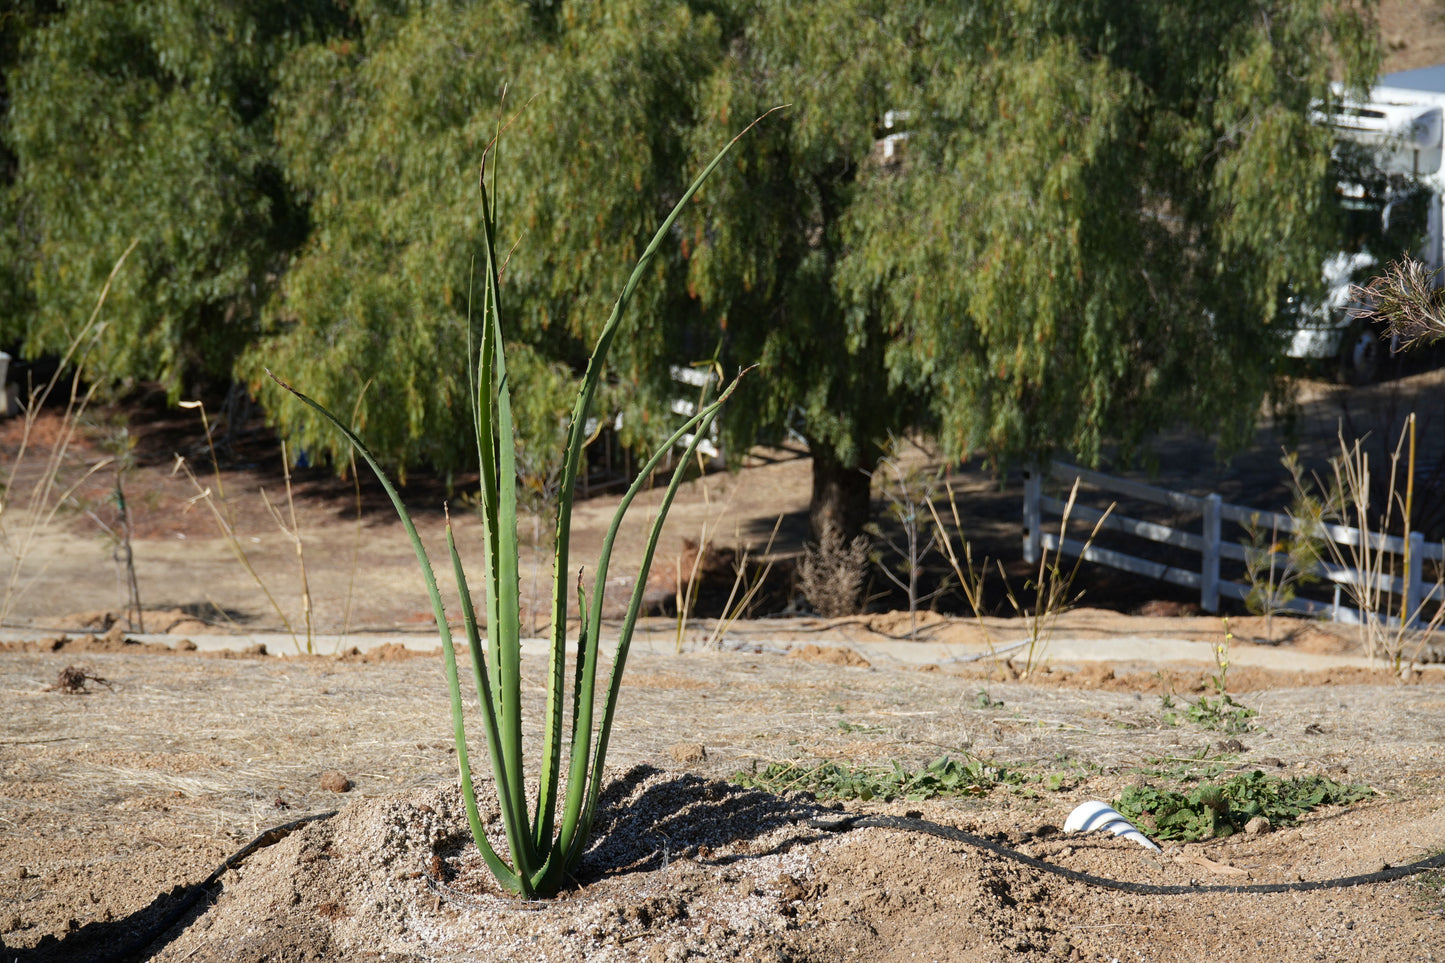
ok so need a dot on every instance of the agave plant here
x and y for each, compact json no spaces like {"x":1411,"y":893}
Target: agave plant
{"x":544,"y":841}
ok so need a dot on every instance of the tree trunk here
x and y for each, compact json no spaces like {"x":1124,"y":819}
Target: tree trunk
{"x":841,"y":498}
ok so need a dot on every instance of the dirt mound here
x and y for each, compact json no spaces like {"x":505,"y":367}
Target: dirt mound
{"x":159,"y":620}
{"x":688,"y":868}
{"x":387,"y":652}
{"x":114,"y":641}
{"x":1170,"y":679}
{"x":833,"y":655}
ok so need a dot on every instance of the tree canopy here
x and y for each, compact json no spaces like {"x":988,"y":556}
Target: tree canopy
{"x":1085,"y":237}
{"x":150,"y":122}
{"x":1097,"y":209}
{"x":384,"y":140}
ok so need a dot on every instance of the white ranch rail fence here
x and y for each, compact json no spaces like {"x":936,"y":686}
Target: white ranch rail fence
{"x":1209,"y":543}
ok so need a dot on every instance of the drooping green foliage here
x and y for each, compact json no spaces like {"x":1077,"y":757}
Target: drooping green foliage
{"x":382,"y":138}
{"x":765,"y":263}
{"x":19,"y":22}
{"x":1086,"y":236}
{"x":1083,"y":239}
{"x":151,"y":121}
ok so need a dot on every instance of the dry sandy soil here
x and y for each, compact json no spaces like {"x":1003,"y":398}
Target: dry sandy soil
{"x":111,"y":799}
{"x":1412,"y":35}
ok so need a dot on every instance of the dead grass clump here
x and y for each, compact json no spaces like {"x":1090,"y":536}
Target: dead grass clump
{"x":75,"y":680}
{"x":831,"y":574}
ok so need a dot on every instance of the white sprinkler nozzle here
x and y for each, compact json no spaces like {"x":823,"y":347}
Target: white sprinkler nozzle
{"x":1095,"y":815}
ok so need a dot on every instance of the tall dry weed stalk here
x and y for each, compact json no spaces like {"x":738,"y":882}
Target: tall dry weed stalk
{"x":912,"y":540}
{"x":1390,"y":628}
{"x":223,"y":514}
{"x":292,"y":531}
{"x":686,"y":589}
{"x":970,"y":578}
{"x":1052,"y":585}
{"x":121,"y":446}
{"x":31,"y":496}
{"x":747,"y":579}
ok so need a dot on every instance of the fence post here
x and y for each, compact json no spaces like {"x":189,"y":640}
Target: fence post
{"x":1033,"y":535}
{"x":1414,"y":580}
{"x":1209,"y":564}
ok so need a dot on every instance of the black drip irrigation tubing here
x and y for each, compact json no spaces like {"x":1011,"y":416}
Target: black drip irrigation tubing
{"x":910,"y":824}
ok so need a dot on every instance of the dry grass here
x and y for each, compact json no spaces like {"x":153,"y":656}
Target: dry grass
{"x":31,"y":495}
{"x":831,"y":574}
{"x":163,"y":731}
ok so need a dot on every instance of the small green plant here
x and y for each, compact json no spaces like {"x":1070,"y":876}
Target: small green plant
{"x":982,"y":700}
{"x":544,"y":842}
{"x":1430,"y":889}
{"x":1275,"y":566}
{"x":862,"y":728}
{"x":1220,"y":679}
{"x":1222,"y":713}
{"x":1059,"y":781}
{"x":944,"y":776}
{"x":1212,"y":810}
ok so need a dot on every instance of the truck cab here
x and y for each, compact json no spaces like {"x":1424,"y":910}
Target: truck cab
{"x":1391,"y":190}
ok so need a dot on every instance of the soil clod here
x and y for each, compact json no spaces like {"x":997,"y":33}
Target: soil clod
{"x":333,"y":781}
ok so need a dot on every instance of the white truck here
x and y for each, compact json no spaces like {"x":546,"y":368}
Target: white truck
{"x":1392,"y":207}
